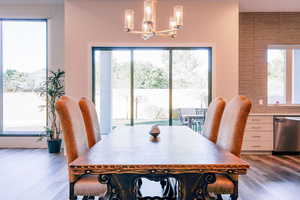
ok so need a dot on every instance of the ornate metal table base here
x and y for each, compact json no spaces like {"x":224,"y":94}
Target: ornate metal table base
{"x":127,"y":186}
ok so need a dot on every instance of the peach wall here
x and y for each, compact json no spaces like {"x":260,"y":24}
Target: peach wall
{"x":100,"y":22}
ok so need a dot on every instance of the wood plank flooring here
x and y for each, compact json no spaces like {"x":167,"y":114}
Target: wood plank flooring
{"x":34,"y":174}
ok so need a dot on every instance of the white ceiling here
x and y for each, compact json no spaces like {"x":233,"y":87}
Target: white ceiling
{"x":269,"y":5}
{"x":245,"y":5}
{"x":31,"y":1}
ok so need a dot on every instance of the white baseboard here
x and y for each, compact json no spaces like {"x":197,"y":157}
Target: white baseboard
{"x":22,"y":142}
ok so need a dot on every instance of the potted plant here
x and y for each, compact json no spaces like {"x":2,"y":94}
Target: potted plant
{"x":53,"y":89}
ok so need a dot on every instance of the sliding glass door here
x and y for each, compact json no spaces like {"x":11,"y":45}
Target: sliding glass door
{"x":165,"y":86}
{"x":191,"y":87}
{"x":151,"y":86}
{"x":113,"y":89}
{"x":23,"y":67}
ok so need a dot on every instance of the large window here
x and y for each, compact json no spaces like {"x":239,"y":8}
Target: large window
{"x":113,"y":83}
{"x":165,"y":86}
{"x":283,"y":75}
{"x":23,"y":64}
{"x":151,"y":83}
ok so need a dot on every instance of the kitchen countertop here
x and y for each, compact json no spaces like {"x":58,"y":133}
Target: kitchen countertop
{"x":293,"y":118}
{"x":272,"y":114}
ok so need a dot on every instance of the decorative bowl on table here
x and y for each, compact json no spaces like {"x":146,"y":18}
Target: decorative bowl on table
{"x":155,"y":131}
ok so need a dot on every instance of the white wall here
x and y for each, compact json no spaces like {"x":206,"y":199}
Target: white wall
{"x":96,"y":22}
{"x":55,"y":16}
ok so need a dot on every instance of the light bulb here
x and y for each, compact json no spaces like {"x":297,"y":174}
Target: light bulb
{"x":129,"y":19}
{"x":148,"y":10}
{"x":172,"y":23}
{"x":146,"y":27}
{"x":178,"y":14}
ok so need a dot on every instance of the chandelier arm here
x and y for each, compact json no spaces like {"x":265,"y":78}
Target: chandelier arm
{"x":137,"y":32}
{"x":164,"y":35}
{"x":166,"y":31}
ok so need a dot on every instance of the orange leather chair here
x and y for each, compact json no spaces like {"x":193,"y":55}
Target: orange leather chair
{"x":91,"y":122}
{"x":213,"y":118}
{"x":75,"y":144}
{"x":230,"y":138}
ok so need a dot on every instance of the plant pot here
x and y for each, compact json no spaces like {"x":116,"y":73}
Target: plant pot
{"x":54,"y":145}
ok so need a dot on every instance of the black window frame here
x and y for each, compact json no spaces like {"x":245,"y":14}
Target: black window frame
{"x":170,"y":49}
{"x":24,"y":133}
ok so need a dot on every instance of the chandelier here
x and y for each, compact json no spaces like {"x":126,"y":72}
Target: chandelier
{"x":148,"y":29}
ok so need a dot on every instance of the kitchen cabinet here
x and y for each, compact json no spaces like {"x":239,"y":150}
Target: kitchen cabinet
{"x":258,"y":133}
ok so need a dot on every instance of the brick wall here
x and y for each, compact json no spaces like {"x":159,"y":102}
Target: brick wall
{"x":257,"y":31}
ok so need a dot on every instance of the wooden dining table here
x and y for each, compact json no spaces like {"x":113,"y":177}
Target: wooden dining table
{"x":129,"y":153}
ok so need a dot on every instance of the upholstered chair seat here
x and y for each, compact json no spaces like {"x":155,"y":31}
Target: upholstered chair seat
{"x":222,"y":186}
{"x":89,"y":186}
{"x":213,"y":118}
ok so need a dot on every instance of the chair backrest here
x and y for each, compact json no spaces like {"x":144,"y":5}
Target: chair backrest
{"x":91,"y":122}
{"x":73,"y":127}
{"x":233,"y":124}
{"x":213,"y":118}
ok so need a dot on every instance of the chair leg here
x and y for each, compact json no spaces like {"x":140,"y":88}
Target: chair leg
{"x":219,"y":197}
{"x":235,"y":195}
{"x":71,"y":190}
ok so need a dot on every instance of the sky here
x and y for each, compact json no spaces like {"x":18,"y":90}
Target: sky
{"x":24,"y":45}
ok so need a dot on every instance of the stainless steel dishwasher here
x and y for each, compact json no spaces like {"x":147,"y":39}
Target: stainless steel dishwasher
{"x":286,"y":134}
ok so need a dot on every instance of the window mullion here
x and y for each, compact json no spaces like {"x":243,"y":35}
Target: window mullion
{"x":209,"y":77}
{"x":288,"y":76}
{"x":1,"y":78}
{"x":131,"y":87}
{"x":170,"y":86}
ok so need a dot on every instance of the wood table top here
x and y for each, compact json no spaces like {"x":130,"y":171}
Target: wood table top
{"x":177,"y":147}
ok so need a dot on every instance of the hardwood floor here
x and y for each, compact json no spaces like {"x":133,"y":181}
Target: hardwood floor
{"x":271,"y":178}
{"x":34,"y":174}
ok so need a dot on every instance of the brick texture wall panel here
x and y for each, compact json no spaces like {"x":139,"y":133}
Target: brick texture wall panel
{"x":257,"y":31}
